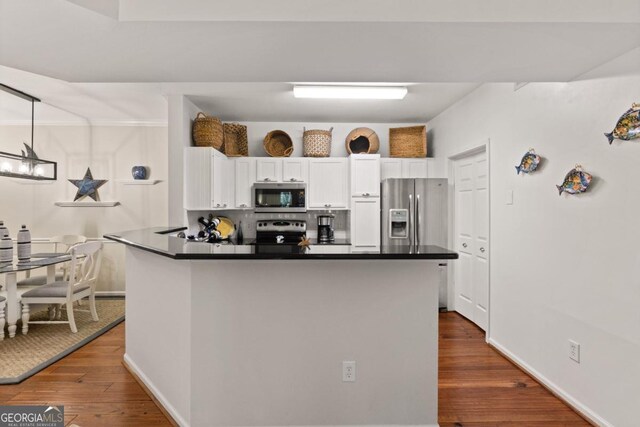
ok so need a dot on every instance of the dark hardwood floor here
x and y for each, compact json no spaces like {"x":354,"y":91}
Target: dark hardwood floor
{"x":478,"y":387}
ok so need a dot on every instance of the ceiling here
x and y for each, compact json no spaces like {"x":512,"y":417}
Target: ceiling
{"x":113,"y":59}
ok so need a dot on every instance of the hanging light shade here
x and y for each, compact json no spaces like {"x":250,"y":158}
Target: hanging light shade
{"x":27,"y":164}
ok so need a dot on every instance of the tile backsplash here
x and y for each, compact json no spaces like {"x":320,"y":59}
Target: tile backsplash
{"x":249,"y":219}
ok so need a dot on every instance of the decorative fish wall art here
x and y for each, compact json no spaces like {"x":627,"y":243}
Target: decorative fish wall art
{"x":529,"y":162}
{"x":576,"y":181}
{"x":628,"y":126}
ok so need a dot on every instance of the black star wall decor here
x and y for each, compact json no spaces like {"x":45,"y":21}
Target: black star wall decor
{"x":88,"y":186}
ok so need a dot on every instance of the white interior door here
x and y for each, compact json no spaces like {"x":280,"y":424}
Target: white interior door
{"x":471,"y":279}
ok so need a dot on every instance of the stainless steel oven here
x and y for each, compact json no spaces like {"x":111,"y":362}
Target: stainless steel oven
{"x":284,"y":197}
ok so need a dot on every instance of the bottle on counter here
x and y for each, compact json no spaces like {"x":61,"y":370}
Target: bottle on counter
{"x":6,"y":247}
{"x":24,"y":245}
{"x":239,"y":236}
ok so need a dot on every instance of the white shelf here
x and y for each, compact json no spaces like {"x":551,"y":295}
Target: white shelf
{"x":31,"y":181}
{"x":86,"y":204}
{"x":139,"y":181}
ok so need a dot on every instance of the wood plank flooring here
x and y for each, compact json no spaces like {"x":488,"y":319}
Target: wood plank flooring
{"x":478,"y":387}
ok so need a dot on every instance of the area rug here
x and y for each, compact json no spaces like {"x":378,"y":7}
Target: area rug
{"x":25,"y":355}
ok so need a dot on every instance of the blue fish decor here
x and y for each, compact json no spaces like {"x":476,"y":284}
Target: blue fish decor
{"x":628,"y":126}
{"x":529,"y":162}
{"x":576,"y":181}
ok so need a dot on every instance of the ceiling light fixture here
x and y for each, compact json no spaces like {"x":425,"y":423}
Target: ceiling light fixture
{"x":350,"y":92}
{"x":26,"y":165}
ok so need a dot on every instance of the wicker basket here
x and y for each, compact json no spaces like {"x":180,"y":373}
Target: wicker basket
{"x":316,"y":142}
{"x":362,"y":141}
{"x":278,"y":143}
{"x":408,"y":142}
{"x":235,"y":140}
{"x":207,"y":132}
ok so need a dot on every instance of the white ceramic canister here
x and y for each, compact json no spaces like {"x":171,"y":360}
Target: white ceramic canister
{"x":24,"y":244}
{"x":6,"y":248}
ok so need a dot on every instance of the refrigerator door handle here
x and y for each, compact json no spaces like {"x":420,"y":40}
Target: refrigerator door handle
{"x":417,"y":220}
{"x":411,"y":224}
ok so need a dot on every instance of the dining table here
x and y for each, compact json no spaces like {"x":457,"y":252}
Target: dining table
{"x":10,"y":271}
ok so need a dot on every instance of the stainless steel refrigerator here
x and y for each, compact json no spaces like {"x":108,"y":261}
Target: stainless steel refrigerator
{"x":415,"y":213}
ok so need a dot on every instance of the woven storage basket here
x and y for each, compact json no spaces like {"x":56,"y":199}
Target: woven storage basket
{"x":362,"y":141}
{"x":235,"y":140}
{"x":408,"y":142}
{"x":207,"y":132}
{"x":316,"y":142}
{"x":278,"y":143}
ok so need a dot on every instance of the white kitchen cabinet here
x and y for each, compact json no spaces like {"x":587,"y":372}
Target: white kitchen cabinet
{"x":268,"y":169}
{"x":328,"y":183}
{"x":436,"y":167}
{"x":245,"y":175}
{"x":365,"y":175}
{"x":414,"y":168}
{"x":390,"y":168}
{"x":365,"y":222}
{"x":208,"y":179}
{"x":295,"y":170}
{"x":222,"y":181}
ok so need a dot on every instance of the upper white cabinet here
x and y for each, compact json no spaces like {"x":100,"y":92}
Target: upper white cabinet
{"x":295,"y":170}
{"x":404,"y":168}
{"x":222,"y":181}
{"x":245,"y":177}
{"x":414,"y":168}
{"x":436,"y":168}
{"x":390,"y":168}
{"x":268,"y":169}
{"x":365,"y":175}
{"x":208,"y":179}
{"x":328,"y":183}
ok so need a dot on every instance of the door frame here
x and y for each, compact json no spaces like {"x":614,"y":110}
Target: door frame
{"x":484,"y":146}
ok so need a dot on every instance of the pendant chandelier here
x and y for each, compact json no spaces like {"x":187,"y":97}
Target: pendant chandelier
{"x":26,"y":165}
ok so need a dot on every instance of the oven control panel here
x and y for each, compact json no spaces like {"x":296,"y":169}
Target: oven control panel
{"x":281,"y":226}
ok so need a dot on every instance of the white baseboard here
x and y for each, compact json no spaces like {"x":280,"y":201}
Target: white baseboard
{"x":554,"y":388}
{"x":159,"y":396}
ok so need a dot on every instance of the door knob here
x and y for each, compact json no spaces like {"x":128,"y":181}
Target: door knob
{"x":481,"y":249}
{"x":464,"y":245}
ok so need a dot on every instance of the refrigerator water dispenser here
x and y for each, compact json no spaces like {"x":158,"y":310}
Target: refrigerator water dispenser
{"x":398,"y":223}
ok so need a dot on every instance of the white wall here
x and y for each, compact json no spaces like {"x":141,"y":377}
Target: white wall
{"x":110,"y":152}
{"x":562,"y":267}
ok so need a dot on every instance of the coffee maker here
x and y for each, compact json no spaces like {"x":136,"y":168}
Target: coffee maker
{"x":325,"y":228}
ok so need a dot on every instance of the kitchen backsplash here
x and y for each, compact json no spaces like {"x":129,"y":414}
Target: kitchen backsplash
{"x":249,"y":218}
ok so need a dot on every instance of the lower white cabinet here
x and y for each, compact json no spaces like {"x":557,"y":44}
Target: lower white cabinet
{"x":329,"y":183}
{"x":365,"y":222}
{"x":245,"y":175}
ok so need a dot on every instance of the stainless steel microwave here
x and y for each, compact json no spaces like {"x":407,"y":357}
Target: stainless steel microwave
{"x":285,"y":197}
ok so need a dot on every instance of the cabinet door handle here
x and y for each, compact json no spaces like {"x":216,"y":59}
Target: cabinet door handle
{"x":217,"y":205}
{"x":224,"y":206}
{"x":244,"y":205}
{"x":293,"y":180}
{"x":327,"y":205}
{"x":267,"y":179}
{"x":464,"y":245}
{"x":366,"y":194}
{"x":481,"y":249}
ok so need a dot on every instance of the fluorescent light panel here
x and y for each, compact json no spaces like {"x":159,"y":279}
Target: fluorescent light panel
{"x":350,"y":92}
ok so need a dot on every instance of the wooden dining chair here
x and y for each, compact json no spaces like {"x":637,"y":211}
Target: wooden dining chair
{"x":83,"y":275}
{"x":3,"y":303}
{"x":61,"y":244}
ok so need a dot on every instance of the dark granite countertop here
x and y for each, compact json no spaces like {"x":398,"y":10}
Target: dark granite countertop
{"x":161,"y":241}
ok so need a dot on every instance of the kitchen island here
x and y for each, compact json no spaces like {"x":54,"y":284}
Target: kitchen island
{"x":252,"y":335}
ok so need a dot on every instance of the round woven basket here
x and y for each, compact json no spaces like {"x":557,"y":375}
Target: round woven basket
{"x":362,"y":141}
{"x":316,"y":142}
{"x":278,"y":143}
{"x":208,"y":132}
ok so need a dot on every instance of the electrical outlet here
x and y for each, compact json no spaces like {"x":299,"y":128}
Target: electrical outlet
{"x":348,"y":371}
{"x":574,"y":351}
